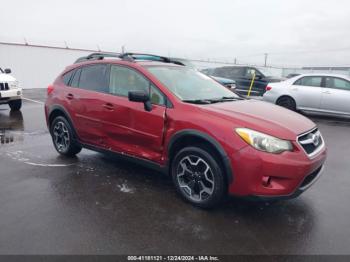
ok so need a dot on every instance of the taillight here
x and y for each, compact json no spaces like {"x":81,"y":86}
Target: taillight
{"x":268,"y":88}
{"x":49,"y":89}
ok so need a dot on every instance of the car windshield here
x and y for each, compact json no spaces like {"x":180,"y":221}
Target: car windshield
{"x":191,"y":85}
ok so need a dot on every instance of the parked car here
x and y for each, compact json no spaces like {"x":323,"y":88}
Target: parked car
{"x":10,"y":92}
{"x":243,"y":76}
{"x":179,"y":121}
{"x":320,"y":93}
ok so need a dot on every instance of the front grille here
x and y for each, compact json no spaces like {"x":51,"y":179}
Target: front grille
{"x":312,"y":142}
{"x":310,"y":178}
{"x":4,"y":86}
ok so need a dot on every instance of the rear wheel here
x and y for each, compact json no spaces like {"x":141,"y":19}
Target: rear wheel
{"x":15,"y":105}
{"x":198,"y":177}
{"x":287,"y":102}
{"x":63,"y":137}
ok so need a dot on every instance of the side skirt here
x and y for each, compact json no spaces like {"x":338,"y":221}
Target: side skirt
{"x":139,"y":161}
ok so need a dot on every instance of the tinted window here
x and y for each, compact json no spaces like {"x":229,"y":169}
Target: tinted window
{"x":228,"y":72}
{"x":309,"y":81}
{"x":338,"y":83}
{"x":67,"y":76}
{"x":75,"y":80}
{"x":123,"y":80}
{"x":94,"y":78}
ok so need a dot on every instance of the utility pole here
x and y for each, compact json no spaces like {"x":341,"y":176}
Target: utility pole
{"x":266,"y":55}
{"x":123,"y":49}
{"x":235,"y":61}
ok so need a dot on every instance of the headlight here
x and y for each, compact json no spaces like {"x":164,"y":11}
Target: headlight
{"x":13,"y":85}
{"x":264,"y":142}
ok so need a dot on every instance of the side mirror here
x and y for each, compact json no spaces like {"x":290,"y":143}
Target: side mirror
{"x":7,"y":71}
{"x":142,"y":97}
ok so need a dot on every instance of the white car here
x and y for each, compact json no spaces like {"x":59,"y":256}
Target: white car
{"x":318,"y":93}
{"x":10,"y":92}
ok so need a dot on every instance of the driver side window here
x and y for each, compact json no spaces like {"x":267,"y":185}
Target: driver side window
{"x":123,"y":80}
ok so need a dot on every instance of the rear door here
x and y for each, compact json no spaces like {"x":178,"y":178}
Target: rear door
{"x":336,"y":95}
{"x":307,"y":92}
{"x":128,"y":127}
{"x":91,"y":87}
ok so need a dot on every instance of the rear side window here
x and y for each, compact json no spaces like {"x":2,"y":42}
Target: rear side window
{"x":66,"y":77}
{"x":94,"y":78}
{"x":75,"y":80}
{"x":309,"y":81}
{"x":337,"y":83}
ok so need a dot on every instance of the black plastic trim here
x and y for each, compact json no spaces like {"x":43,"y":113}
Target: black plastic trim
{"x":133,"y":159}
{"x":209,"y":139}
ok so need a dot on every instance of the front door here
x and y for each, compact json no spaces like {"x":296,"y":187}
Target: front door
{"x":308,"y":92}
{"x":128,"y":126}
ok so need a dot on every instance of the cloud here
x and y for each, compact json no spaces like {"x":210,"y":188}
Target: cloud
{"x":293,"y":33}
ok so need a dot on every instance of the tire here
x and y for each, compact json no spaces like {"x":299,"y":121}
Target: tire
{"x":287,"y":102}
{"x":193,"y":183}
{"x":15,"y":105}
{"x":63,"y":137}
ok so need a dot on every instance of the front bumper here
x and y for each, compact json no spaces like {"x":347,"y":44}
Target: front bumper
{"x":265,"y":176}
{"x":9,"y":95}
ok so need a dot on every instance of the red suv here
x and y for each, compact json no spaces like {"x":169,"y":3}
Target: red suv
{"x":171,"y":117}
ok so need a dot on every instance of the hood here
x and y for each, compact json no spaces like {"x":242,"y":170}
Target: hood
{"x":263,"y":117}
{"x":6,"y":78}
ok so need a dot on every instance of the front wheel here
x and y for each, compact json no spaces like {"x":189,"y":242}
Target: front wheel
{"x":198,"y":177}
{"x":63,"y":137}
{"x":15,"y":105}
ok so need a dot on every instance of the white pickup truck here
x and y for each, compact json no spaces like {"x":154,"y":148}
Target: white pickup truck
{"x":10,"y":92}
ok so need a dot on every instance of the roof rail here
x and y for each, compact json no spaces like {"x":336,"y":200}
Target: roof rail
{"x":131,"y":57}
{"x":150,"y":57}
{"x":96,"y":56}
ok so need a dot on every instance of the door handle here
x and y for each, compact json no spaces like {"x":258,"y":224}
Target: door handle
{"x":109,"y":106}
{"x":327,"y":92}
{"x":70,"y":96}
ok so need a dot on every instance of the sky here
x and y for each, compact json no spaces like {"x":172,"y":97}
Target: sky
{"x":292,"y":33}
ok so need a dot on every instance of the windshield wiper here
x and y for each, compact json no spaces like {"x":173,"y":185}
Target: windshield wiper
{"x":232,"y":98}
{"x":198,"y":101}
{"x":213,"y":100}
{"x":224,"y":99}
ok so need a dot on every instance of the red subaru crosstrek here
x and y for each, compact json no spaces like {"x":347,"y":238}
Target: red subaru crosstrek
{"x":171,"y":117}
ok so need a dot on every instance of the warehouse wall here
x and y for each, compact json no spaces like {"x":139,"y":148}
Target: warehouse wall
{"x":36,"y":67}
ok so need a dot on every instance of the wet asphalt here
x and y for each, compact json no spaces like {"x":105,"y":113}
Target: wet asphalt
{"x":97,"y":204}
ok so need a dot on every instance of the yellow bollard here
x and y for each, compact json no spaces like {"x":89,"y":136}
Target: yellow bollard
{"x":251,"y":84}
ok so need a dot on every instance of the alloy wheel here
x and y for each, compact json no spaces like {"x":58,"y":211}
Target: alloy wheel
{"x":61,"y":136}
{"x":195,"y":178}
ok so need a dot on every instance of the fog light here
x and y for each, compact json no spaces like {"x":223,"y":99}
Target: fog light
{"x":266,"y":180}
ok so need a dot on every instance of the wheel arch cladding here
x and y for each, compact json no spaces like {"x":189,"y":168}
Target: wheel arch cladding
{"x":191,"y":137}
{"x":58,"y":110}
